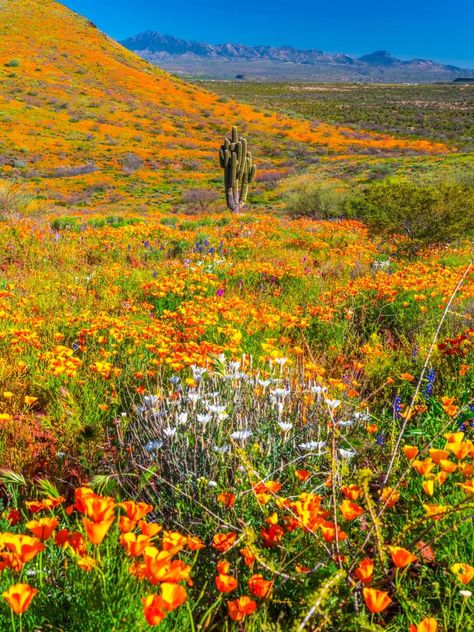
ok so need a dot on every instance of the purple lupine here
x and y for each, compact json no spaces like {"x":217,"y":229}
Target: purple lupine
{"x":429,"y":384}
{"x":397,"y":406}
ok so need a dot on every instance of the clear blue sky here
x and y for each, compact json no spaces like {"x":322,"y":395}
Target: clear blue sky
{"x":442,"y":30}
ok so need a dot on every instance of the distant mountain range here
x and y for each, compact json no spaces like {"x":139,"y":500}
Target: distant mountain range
{"x":227,"y":61}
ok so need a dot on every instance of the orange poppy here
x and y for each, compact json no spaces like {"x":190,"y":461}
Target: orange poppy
{"x":42,"y":528}
{"x":259,"y":586}
{"x":241,"y":608}
{"x":428,"y":487}
{"x":249,"y":557}
{"x":24,"y":547}
{"x":226,"y":583}
{"x":427,"y":625}
{"x":389,"y":497}
{"x":401,"y":557}
{"x":148,"y":528}
{"x":350,"y":510}
{"x":365,"y":571}
{"x":410,"y":451}
{"x":352,"y":492}
{"x":96,"y":531}
{"x":173,"y":540}
{"x":154,"y":609}
{"x":302,"y":475}
{"x":19,"y":597}
{"x":194,"y":543}
{"x":224,"y":541}
{"x":376,"y":600}
{"x":464,"y":572}
{"x":173,"y":595}
{"x":227,"y":499}
{"x":134,"y":544}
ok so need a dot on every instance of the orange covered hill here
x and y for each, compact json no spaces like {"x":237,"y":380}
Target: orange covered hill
{"x":82,"y":118}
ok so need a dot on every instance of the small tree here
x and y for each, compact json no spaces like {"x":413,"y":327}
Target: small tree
{"x":239,"y":170}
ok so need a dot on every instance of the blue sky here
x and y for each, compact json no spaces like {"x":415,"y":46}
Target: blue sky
{"x":434,"y":29}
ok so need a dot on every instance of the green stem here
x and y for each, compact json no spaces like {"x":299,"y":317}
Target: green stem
{"x":40,"y":572}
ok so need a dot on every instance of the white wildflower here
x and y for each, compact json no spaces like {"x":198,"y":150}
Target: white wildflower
{"x":241,"y":435}
{"x":204,"y":419}
{"x":347,"y":454}
{"x":332,"y":404}
{"x":309,"y":446}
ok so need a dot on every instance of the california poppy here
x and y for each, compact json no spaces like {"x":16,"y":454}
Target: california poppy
{"x":401,"y":557}
{"x":223,"y":541}
{"x":427,"y":625}
{"x":42,"y":528}
{"x":226,"y":583}
{"x":376,"y":600}
{"x":259,"y":586}
{"x":19,"y":597}
{"x":364,"y":572}
{"x":241,"y":608}
{"x":464,"y":572}
{"x":350,"y":510}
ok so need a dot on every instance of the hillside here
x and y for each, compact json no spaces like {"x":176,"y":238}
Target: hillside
{"x":87,"y":122}
{"x":225,"y":61}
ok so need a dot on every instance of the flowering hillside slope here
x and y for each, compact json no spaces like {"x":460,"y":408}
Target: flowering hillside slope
{"x":78,"y":112}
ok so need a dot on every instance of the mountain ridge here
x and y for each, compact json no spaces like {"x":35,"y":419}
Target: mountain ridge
{"x":193,"y":57}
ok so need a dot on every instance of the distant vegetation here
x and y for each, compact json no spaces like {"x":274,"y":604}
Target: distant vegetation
{"x":443,"y":112}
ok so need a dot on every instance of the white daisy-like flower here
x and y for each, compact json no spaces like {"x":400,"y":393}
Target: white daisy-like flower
{"x":318,"y":390}
{"x":309,"y":446}
{"x":204,"y":419}
{"x":216,"y":409}
{"x":346,"y":424}
{"x":181,"y":418}
{"x":169,"y":432}
{"x":358,"y":416}
{"x":194,"y":397}
{"x":264,"y":383}
{"x":241,"y":435}
{"x":221,"y":449}
{"x":332,"y":404}
{"x":347,"y":454}
{"x":285,"y":426}
{"x":281,"y":361}
{"x":280,"y":392}
{"x":198,"y":372}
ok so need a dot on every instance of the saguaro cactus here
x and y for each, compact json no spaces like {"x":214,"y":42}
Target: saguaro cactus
{"x":239,"y":170}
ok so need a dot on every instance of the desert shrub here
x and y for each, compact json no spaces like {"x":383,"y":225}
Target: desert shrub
{"x":79,"y":170}
{"x":13,"y":199}
{"x":424,"y":213}
{"x":318,"y":200}
{"x":131,"y":162}
{"x":65,"y":223}
{"x":200,"y":199}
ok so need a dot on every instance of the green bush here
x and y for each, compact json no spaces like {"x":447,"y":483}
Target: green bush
{"x":424,"y":213}
{"x":317,"y":200}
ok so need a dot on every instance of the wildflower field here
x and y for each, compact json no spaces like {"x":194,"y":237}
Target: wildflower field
{"x":254,"y":421}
